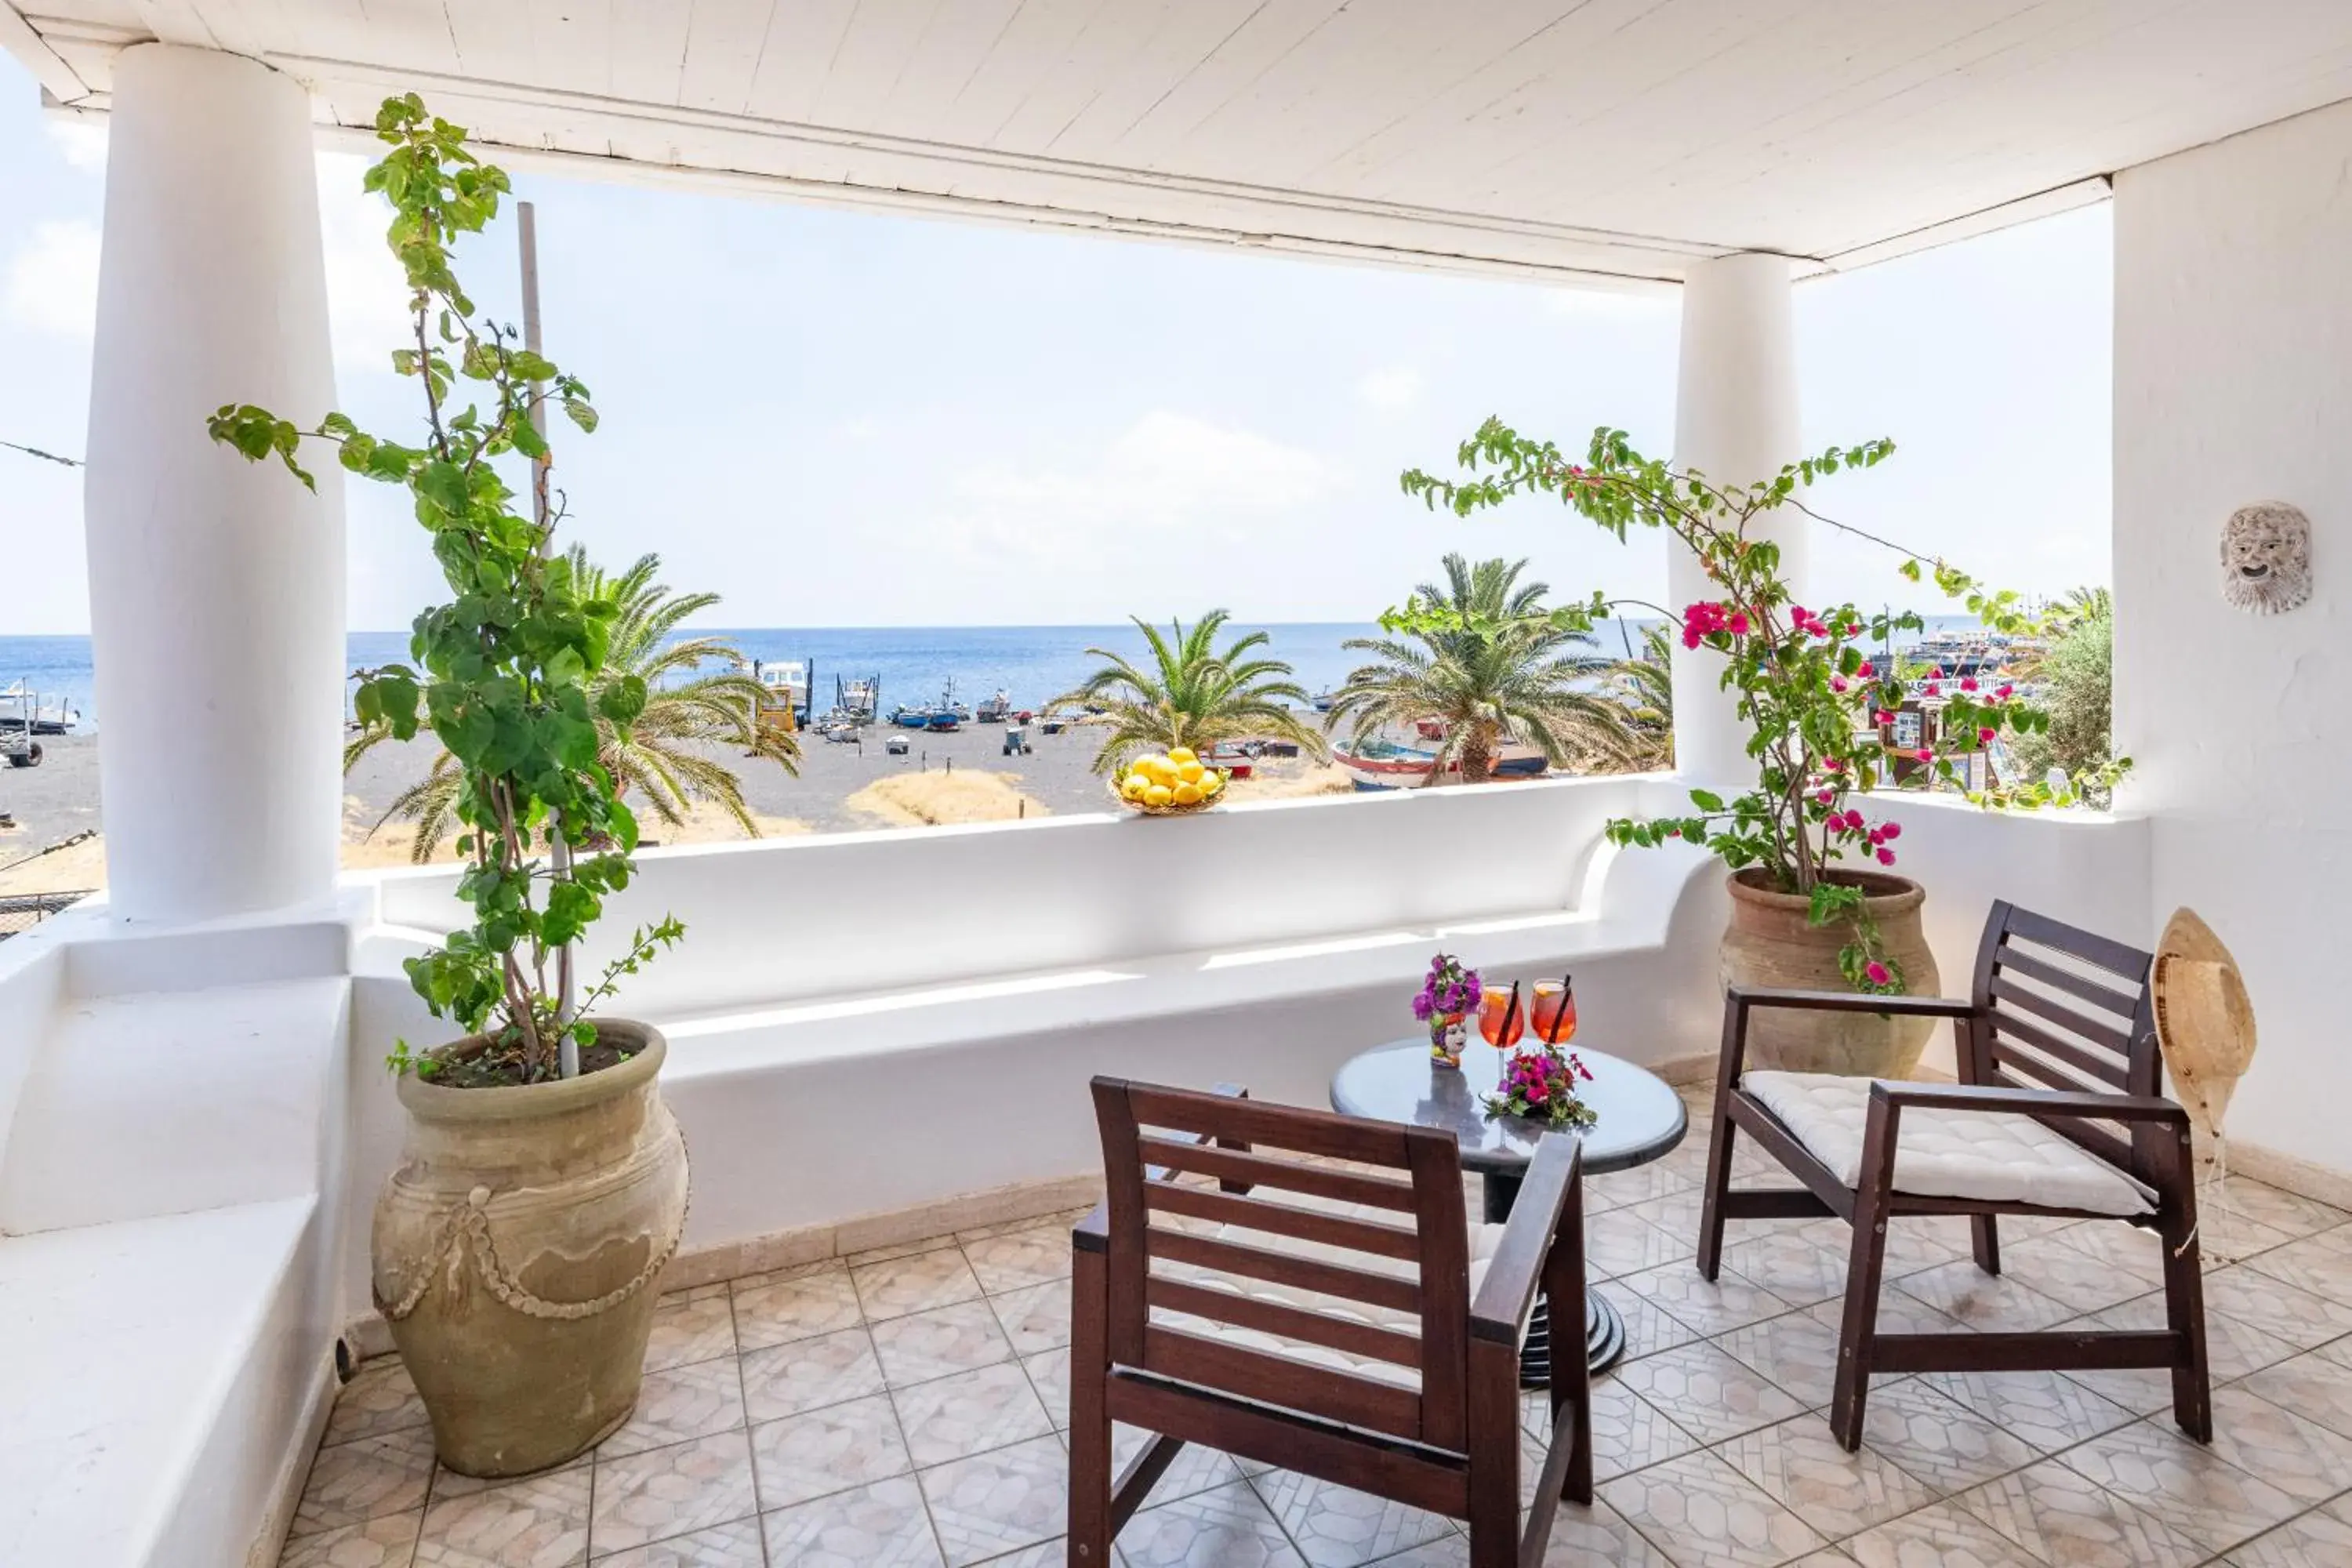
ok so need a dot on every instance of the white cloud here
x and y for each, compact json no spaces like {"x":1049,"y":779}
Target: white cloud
{"x":367,"y":297}
{"x":1170,"y":489}
{"x":80,"y":143}
{"x":1395,"y":386}
{"x":53,"y":279}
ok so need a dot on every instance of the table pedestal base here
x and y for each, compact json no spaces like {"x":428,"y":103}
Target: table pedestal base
{"x":1604,"y":1330}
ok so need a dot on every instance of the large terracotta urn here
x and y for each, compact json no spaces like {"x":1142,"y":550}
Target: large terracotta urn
{"x":518,"y":1253}
{"x":1771,"y":943}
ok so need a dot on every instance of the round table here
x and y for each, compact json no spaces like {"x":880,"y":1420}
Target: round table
{"x":1640,"y":1119}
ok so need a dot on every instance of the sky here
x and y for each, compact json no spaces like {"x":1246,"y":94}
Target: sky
{"x":841,"y":418}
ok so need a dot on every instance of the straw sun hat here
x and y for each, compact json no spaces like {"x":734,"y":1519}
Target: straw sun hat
{"x":2204,"y":1021}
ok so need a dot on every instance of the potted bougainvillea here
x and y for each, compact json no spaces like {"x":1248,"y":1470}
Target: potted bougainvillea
{"x":1816,"y":901}
{"x":519,"y":1246}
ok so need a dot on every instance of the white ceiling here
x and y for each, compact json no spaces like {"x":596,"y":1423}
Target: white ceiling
{"x":1552,"y":137}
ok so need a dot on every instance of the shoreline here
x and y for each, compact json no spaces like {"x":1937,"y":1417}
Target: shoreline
{"x":959,"y":777}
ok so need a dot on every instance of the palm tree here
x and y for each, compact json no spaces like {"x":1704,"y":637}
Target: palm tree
{"x":661,"y":758}
{"x":1194,"y":694}
{"x":1645,"y":688}
{"x":1501,"y":670}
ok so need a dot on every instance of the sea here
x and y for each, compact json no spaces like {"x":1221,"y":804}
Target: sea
{"x":1031,"y":665}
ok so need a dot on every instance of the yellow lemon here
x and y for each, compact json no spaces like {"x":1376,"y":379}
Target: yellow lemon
{"x":1211,"y":783}
{"x":1180,"y":756}
{"x":1189,"y":772}
{"x":1188,"y":793}
{"x":1133,"y":787}
{"x":1158,"y":795}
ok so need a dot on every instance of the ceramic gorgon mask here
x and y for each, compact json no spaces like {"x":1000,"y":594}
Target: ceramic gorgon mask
{"x":2266,"y":557}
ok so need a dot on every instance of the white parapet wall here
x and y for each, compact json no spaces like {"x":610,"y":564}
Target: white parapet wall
{"x":868,"y":1023}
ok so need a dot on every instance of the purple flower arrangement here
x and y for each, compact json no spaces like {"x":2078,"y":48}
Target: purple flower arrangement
{"x":1450,"y":990}
{"x":1540,"y":1084}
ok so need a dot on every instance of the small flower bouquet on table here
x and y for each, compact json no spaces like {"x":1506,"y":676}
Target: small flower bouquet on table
{"x":1446,"y":998}
{"x":1540,"y":1084}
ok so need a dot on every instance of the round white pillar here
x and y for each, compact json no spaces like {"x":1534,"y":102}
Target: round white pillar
{"x":216,"y":584}
{"x":1736,"y":422}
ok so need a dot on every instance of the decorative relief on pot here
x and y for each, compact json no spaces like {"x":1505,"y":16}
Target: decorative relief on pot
{"x":2266,"y":557}
{"x":518,"y":1252}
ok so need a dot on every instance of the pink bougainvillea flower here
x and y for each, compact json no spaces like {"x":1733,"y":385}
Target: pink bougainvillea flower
{"x":1893,"y":830}
{"x":1881,"y":716}
{"x":1924,"y":754}
{"x":1736,"y":623}
{"x":2002,"y":695}
{"x":1825,"y":796}
{"x":1967,"y":683}
{"x":1935,"y":688}
{"x":1985,"y":735}
{"x":1877,"y":973}
{"x":1886,"y":856}
{"x":1867,"y":670}
{"x":1837,"y":683}
{"x":1691,"y":636}
{"x":1835,"y":764}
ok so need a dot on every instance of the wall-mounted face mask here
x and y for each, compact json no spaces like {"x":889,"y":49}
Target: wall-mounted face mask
{"x":2266,"y":557}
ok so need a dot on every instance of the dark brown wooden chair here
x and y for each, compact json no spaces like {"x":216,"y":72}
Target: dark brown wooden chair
{"x":2059,"y":1110}
{"x":1336,"y":1330}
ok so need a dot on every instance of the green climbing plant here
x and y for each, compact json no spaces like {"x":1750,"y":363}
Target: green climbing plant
{"x":510,"y":675}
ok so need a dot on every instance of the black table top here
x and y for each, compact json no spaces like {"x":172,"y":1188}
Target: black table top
{"x":1641,"y":1116}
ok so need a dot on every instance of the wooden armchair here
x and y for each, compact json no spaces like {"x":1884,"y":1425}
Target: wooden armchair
{"x":1315,"y":1331}
{"x":2059,"y":1112}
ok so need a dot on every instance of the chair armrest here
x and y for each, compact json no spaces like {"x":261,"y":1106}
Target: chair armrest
{"x":1092,"y":1233}
{"x":1508,"y":1294}
{"x":2030,"y":1101}
{"x":1851,"y":1002}
{"x":1738,"y":1001}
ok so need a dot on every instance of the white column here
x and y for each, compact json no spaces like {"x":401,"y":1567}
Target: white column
{"x":1736,"y":422}
{"x":216,"y":585}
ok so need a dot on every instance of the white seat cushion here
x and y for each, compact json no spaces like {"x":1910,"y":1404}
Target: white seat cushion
{"x":1997,"y":1156}
{"x":1484,"y":1239}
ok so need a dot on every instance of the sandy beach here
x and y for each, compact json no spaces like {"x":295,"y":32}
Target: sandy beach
{"x":944,"y":778}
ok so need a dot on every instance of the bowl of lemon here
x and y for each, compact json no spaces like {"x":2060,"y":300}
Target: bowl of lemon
{"x":1168,"y":784}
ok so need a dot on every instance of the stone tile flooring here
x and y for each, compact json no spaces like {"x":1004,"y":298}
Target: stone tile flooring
{"x":903,"y":1409}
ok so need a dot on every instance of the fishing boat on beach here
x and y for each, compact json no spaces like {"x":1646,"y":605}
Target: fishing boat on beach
{"x":995,"y":709}
{"x":1375,"y":764}
{"x":22,"y":709}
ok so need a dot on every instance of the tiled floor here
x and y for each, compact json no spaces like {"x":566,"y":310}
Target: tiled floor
{"x":904,"y":1410}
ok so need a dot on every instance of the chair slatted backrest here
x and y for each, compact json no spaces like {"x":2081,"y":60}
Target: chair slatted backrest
{"x":2063,"y":1009}
{"x":1370,"y":1213}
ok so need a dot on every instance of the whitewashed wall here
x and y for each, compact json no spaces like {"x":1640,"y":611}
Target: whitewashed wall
{"x":2233,"y":336}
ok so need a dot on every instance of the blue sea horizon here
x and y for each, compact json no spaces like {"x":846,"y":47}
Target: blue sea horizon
{"x":1031,"y":664}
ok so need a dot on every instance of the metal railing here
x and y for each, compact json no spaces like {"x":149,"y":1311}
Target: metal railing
{"x":22,"y":911}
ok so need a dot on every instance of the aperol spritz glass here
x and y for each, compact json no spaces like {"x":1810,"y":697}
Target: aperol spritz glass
{"x":1498,"y":1005}
{"x":1553,"y":1014}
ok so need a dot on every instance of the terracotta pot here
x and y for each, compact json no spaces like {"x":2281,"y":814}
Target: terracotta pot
{"x":1770,"y":943}
{"x":518,"y":1254}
